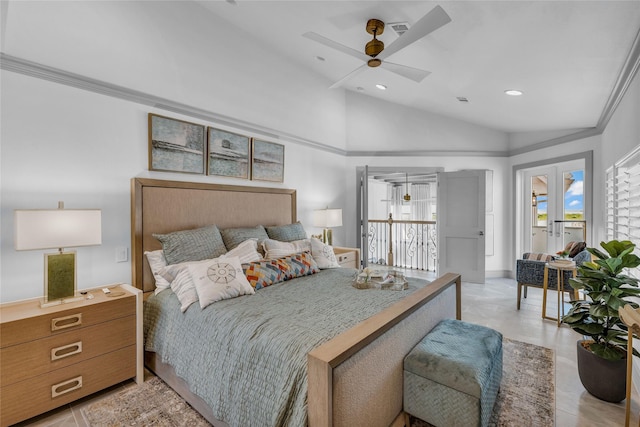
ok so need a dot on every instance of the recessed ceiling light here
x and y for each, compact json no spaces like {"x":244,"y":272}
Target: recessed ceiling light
{"x":513,"y":92}
{"x":320,"y":58}
{"x":381,"y":86}
{"x":360,"y":88}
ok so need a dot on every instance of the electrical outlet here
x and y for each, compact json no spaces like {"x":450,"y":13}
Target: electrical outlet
{"x":122,"y":254}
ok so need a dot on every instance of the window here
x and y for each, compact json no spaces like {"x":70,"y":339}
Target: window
{"x":623,"y":200}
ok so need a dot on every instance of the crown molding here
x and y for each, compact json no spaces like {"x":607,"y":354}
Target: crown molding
{"x":628,"y":72}
{"x":428,"y":153}
{"x":56,"y":75}
{"x":36,"y":70}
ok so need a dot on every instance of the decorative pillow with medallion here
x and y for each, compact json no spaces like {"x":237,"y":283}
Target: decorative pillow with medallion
{"x":218,"y":279}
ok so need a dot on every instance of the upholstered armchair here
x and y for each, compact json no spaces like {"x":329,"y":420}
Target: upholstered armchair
{"x":530,"y":272}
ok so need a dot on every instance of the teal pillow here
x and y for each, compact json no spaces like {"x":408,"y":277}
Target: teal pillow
{"x":287,"y":233}
{"x":192,"y":245}
{"x":232,"y":237}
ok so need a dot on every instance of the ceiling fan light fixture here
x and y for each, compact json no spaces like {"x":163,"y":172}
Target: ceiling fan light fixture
{"x":374,"y":62}
{"x":513,"y":92}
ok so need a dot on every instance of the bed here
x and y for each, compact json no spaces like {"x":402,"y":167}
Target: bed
{"x":353,"y":376}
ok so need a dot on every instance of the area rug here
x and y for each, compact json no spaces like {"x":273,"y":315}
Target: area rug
{"x":526,"y":398}
{"x":151,"y":404}
{"x":527,"y":392}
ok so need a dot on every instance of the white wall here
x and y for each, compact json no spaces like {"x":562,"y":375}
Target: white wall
{"x":61,"y":143}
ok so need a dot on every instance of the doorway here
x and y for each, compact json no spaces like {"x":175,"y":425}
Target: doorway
{"x":554,"y":206}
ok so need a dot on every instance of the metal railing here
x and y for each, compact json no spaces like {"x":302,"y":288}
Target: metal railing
{"x":407,"y":244}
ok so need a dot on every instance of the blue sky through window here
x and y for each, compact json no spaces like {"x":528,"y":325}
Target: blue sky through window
{"x":573,"y":198}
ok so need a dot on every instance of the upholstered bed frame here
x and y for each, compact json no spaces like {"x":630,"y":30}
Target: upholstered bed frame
{"x":353,"y":379}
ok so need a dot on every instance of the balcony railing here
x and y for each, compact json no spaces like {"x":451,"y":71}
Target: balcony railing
{"x":407,"y":244}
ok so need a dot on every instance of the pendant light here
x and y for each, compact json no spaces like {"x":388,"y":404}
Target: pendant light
{"x":407,"y":197}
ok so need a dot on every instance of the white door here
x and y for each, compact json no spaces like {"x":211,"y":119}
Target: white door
{"x":460,"y":223}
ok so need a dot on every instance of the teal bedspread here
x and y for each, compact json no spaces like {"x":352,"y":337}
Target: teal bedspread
{"x":247,"y":356}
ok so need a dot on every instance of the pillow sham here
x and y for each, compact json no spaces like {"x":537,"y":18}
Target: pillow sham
{"x":274,"y":249}
{"x":192,"y":245}
{"x":247,"y":251}
{"x":323,"y":254}
{"x":266,"y":273}
{"x":218,"y":279}
{"x":232,"y":237}
{"x":156,"y":263}
{"x":287,"y":233}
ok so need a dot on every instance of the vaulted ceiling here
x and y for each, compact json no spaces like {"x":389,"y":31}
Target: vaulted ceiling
{"x":566,"y":56}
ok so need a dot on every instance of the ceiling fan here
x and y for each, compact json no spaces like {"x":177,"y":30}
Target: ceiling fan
{"x":375,"y":53}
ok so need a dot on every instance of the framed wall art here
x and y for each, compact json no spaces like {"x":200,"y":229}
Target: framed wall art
{"x":228,"y":154}
{"x":267,"y":161}
{"x":176,"y":145}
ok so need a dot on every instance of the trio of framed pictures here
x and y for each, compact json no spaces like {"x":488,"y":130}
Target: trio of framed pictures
{"x":179,"y":146}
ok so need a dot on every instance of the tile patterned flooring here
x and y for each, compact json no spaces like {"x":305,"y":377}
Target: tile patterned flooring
{"x":492,"y":304}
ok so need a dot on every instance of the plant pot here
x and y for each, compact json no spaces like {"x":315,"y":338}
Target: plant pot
{"x":605,"y":379}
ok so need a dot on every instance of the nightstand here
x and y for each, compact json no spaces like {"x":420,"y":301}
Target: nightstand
{"x":347,"y":257}
{"x":54,"y":355}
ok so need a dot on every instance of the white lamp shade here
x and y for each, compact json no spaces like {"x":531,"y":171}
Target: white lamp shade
{"x":327,"y":218}
{"x":57,"y":228}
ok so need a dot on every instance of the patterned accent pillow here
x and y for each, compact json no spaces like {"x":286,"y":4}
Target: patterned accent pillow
{"x":274,"y":249}
{"x":301,"y":265}
{"x":219,"y":279}
{"x":538,"y":257}
{"x":192,"y":245}
{"x":266,"y":273}
{"x":323,"y":254}
{"x":247,"y":251}
{"x":287,"y":233}
{"x":232,"y":237}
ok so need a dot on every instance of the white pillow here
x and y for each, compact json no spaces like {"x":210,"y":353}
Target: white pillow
{"x":274,"y":249}
{"x":157,"y":263}
{"x":181,"y":283}
{"x":218,"y":279}
{"x":184,"y":289}
{"x":323,"y":254}
{"x":247,"y":251}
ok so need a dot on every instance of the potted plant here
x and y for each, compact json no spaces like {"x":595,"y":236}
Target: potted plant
{"x":602,"y":354}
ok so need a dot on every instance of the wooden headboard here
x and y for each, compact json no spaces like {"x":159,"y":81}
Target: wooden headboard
{"x":160,"y":206}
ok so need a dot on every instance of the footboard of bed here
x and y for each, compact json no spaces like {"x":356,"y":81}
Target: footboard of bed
{"x":356,"y":378}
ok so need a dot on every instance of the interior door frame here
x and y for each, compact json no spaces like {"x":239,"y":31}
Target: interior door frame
{"x":517,"y":195}
{"x":362,"y":198}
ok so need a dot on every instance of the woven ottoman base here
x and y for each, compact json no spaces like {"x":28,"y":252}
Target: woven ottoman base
{"x":452,"y":377}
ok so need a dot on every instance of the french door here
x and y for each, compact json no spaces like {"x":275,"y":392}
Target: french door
{"x":555,"y":206}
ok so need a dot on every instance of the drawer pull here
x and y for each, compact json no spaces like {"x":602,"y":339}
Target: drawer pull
{"x":66,"y":386}
{"x":66,"y":322}
{"x":66,"y":350}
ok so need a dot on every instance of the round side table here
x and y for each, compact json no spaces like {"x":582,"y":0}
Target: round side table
{"x":560,"y":266}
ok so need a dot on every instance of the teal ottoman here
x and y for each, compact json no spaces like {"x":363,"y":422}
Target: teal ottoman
{"x":452,"y":377}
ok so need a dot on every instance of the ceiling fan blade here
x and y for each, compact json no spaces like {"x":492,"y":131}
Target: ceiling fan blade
{"x":348,"y":76}
{"x":335,"y":45}
{"x":415,"y":74}
{"x":433,"y":20}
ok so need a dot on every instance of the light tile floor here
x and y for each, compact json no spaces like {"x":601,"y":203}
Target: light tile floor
{"x":492,"y":304}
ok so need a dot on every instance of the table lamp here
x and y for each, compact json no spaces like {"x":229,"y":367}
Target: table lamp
{"x":58,"y":228}
{"x":327,"y":218}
